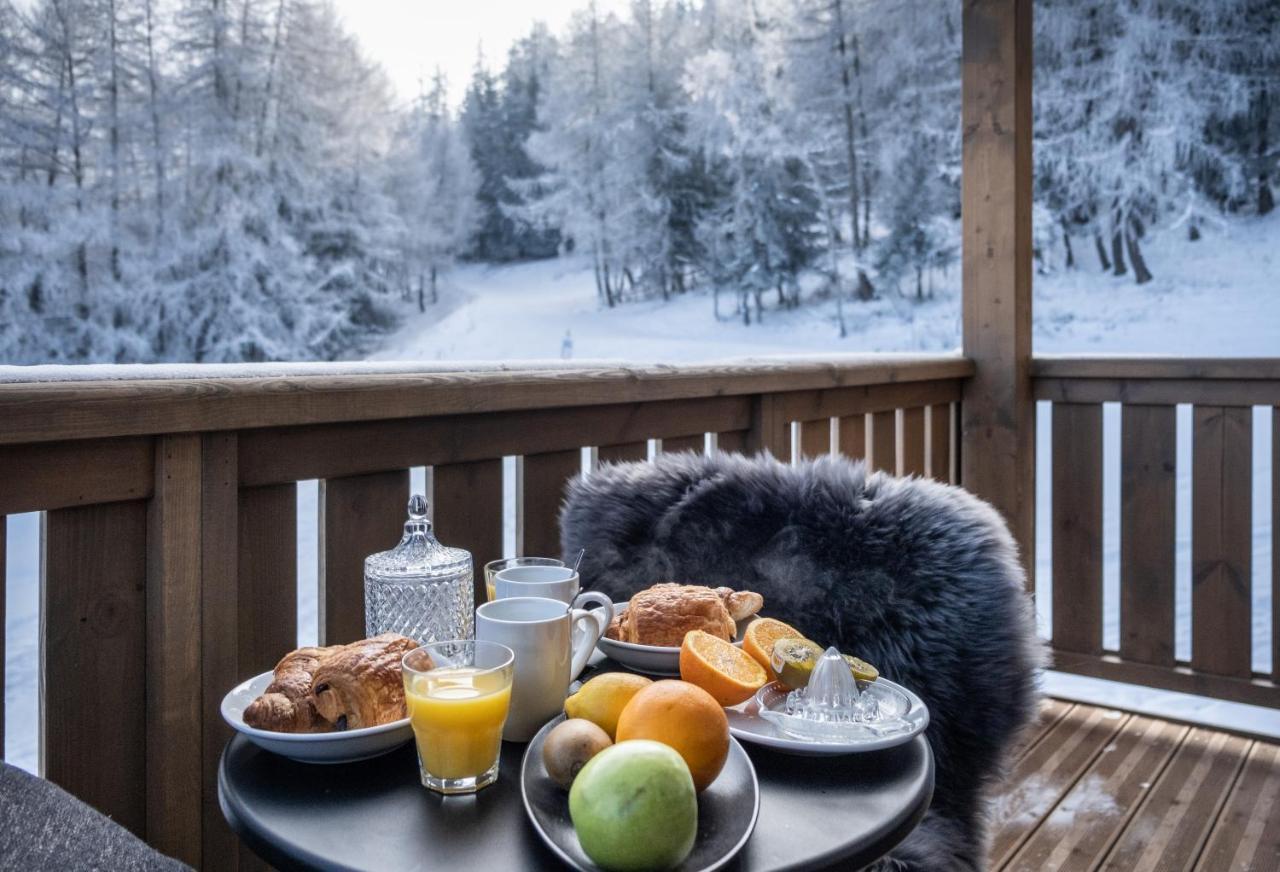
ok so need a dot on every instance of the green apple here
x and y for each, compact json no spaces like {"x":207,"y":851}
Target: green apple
{"x":634,"y":807}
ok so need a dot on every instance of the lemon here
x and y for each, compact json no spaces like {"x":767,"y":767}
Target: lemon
{"x":602,"y":699}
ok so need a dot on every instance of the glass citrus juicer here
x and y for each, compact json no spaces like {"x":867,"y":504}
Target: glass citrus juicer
{"x":835,"y":706}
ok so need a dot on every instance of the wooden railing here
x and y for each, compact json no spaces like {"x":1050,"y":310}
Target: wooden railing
{"x":1222,"y":393}
{"x":169,"y":562}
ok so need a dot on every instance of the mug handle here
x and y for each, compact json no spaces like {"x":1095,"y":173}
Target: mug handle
{"x":599,"y":622}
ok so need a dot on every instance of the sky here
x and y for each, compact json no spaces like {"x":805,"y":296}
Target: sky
{"x":409,"y":38}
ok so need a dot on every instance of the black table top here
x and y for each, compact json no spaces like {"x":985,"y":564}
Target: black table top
{"x":375,"y":815}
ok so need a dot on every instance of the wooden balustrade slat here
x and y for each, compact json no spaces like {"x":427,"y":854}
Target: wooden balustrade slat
{"x":732,"y":441}
{"x":219,"y":631}
{"x":853,"y":436}
{"x":1275,"y":543}
{"x":884,"y":442}
{"x":912,"y":460}
{"x":696,"y":443}
{"x":1077,"y":527}
{"x":545,"y":476}
{"x":1221,"y":540}
{"x":275,"y":455}
{"x":174,"y":641}
{"x":625,"y":453}
{"x":468,"y":501}
{"x":1148,"y":467}
{"x":93,"y":647}
{"x":770,"y":428}
{"x":56,"y":475}
{"x":815,"y":438}
{"x":940,"y":443}
{"x":359,"y":515}
{"x":268,"y":577}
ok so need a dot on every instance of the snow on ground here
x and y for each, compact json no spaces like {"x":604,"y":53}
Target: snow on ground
{"x":1217,"y":297}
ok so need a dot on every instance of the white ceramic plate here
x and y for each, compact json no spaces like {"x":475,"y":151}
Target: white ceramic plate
{"x":344,"y":747}
{"x":746,"y":724}
{"x":651,"y":659}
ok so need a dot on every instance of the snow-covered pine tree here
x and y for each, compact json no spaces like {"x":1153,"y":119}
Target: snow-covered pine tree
{"x":434,"y":183}
{"x":766,"y":225}
{"x":524,"y":84}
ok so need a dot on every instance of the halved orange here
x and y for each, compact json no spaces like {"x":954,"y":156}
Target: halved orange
{"x":727,"y":673}
{"x":761,"y":634}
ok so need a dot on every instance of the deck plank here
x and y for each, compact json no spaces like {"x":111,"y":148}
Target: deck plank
{"x":1051,"y":711}
{"x":1247,"y":834}
{"x":1174,"y":823}
{"x":1047,"y":772}
{"x":1089,"y":818}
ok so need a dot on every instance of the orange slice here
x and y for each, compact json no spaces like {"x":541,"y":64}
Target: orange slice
{"x":727,"y":673}
{"x":758,"y":641}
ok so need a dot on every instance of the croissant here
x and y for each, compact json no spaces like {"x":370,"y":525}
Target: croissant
{"x":286,"y":706}
{"x":663,"y":614}
{"x":359,"y":685}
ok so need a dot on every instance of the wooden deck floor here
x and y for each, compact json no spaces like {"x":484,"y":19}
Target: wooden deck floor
{"x":1098,"y":788}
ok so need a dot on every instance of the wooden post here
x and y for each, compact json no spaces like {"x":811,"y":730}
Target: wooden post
{"x":998,"y":429}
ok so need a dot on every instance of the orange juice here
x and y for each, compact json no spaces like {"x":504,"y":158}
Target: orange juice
{"x":457,"y":717}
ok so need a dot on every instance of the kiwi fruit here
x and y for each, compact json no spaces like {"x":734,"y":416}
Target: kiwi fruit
{"x":569,"y":746}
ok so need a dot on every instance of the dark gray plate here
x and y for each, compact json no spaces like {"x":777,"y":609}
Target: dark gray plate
{"x":727,"y":810}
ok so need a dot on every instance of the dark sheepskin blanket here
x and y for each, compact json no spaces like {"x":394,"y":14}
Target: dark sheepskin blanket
{"x":921,"y":579}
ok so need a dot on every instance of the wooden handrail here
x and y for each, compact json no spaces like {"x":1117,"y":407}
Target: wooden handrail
{"x":1153,"y":367}
{"x":90,"y":407}
{"x":1245,"y":381}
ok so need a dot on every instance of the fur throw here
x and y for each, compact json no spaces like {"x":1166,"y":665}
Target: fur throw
{"x":919,"y":578}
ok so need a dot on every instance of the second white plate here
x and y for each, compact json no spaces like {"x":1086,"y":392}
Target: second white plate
{"x":746,"y":725}
{"x":651,"y":659}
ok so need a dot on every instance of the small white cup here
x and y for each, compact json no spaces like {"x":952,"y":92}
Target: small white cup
{"x":552,"y":643}
{"x":550,"y":582}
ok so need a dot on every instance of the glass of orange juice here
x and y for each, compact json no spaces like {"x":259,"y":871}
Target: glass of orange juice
{"x":493,"y":567}
{"x":458,"y":694}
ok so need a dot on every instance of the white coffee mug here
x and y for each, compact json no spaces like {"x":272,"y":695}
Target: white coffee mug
{"x":552,"y":582}
{"x":552,"y":643}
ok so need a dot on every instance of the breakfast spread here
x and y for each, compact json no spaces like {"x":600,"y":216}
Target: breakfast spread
{"x":633,"y":753}
{"x":664,"y":613}
{"x":338,"y":687}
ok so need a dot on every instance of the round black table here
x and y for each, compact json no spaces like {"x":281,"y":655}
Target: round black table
{"x":815,"y":812}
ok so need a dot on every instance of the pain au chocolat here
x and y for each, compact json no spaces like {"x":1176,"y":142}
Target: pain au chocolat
{"x":663,"y":614}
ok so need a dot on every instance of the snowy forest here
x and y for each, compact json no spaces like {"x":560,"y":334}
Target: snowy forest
{"x":223,"y":180}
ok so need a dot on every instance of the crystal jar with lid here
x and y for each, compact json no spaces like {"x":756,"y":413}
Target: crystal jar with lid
{"x":420,"y":588}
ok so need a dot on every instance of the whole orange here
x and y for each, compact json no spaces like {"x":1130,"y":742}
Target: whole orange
{"x":685,"y":717}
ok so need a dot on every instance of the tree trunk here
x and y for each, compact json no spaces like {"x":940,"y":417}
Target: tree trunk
{"x":1117,"y":252}
{"x":1066,"y":243}
{"x":1102,"y":251}
{"x":435,"y":284}
{"x":1141,"y":275}
{"x":422,"y":293}
{"x":850,"y":147}
{"x":113,"y":103}
{"x":153,"y":89}
{"x":865,"y":289}
{"x":1266,"y":202}
{"x":919,"y":284}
